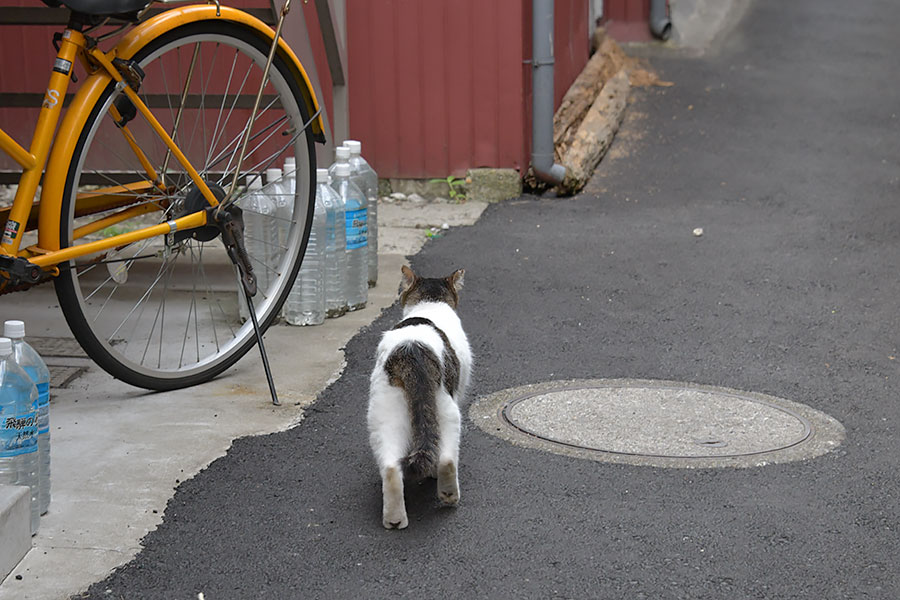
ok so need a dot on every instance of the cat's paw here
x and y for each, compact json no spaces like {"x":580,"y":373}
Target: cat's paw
{"x":395,"y":521}
{"x":447,"y":484}
{"x":449,"y":497}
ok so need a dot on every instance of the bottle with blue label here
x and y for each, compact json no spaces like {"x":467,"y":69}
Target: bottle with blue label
{"x":365,"y":177}
{"x":18,"y":428}
{"x":28,"y":358}
{"x":355,"y":219}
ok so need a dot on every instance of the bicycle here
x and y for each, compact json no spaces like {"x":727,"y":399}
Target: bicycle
{"x":145,"y":206}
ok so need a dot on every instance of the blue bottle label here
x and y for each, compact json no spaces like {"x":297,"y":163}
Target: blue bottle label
{"x":18,"y":434}
{"x":357,"y":228}
{"x":43,"y":405}
{"x":43,"y":394}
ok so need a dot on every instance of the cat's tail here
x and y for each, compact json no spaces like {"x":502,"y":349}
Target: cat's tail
{"x":417,"y":370}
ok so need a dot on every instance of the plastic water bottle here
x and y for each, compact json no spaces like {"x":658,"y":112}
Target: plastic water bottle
{"x":18,"y":428}
{"x":290,"y":178}
{"x":355,"y":219}
{"x":260,"y":233}
{"x":28,"y":358}
{"x":305,"y":303}
{"x":282,"y":195}
{"x":341,"y":155}
{"x":335,"y":248}
{"x":364,"y":176}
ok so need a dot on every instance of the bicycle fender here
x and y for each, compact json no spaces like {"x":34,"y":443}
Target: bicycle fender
{"x":54,"y":181}
{"x":164,"y":22}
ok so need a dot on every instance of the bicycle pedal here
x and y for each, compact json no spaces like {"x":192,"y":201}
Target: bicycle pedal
{"x":20,"y":270}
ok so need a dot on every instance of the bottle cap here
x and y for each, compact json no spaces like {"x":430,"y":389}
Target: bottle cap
{"x":321,"y":175}
{"x":290,"y":165}
{"x":14,"y":329}
{"x":273,"y":175}
{"x":342,"y":170}
{"x":355,"y":147}
{"x":342,"y":153}
{"x":5,"y":346}
{"x":255,"y":181}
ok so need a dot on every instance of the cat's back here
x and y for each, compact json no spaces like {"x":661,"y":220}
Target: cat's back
{"x":431,"y":324}
{"x":444,"y":318}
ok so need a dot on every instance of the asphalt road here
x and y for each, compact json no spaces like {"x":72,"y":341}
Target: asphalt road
{"x":783,"y":146}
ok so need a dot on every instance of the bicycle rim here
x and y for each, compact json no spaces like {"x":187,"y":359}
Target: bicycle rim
{"x":169,"y":312}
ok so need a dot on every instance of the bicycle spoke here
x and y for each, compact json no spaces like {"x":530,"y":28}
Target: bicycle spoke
{"x":239,"y":138}
{"x":237,"y":95}
{"x":215,"y":132}
{"x":170,"y":307}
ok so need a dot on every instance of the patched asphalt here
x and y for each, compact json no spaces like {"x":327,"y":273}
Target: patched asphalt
{"x":782,"y":145}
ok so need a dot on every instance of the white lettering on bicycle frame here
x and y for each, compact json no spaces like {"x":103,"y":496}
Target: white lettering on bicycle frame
{"x":51,"y":99}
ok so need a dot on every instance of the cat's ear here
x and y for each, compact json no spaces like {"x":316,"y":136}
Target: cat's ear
{"x":409,"y":278}
{"x":456,"y":280}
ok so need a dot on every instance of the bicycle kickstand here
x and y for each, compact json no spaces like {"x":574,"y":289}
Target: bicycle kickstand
{"x":259,"y":342}
{"x":230,"y":224}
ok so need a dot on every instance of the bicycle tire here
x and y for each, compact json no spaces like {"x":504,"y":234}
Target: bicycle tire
{"x":93,"y":304}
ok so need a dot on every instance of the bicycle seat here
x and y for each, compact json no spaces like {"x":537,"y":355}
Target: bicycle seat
{"x":101,"y":8}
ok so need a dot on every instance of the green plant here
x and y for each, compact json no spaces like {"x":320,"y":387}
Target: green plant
{"x":456,"y":185}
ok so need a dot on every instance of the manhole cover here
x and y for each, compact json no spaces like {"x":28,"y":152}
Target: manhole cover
{"x":657,"y":423}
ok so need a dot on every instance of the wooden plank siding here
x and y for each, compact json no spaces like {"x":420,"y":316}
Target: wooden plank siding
{"x":443,"y":86}
{"x":627,"y":20}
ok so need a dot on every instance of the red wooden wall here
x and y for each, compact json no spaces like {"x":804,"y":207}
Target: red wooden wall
{"x":627,"y":20}
{"x":438,"y":87}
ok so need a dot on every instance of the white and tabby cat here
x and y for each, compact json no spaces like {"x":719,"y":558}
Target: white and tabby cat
{"x":422,"y":369}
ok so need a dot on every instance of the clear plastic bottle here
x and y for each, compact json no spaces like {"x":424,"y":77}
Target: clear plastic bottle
{"x":365,"y":177}
{"x":305,"y":303}
{"x":341,"y":155}
{"x":335,"y":248}
{"x":290,"y":177}
{"x":18,"y":428}
{"x":282,"y":196}
{"x":355,"y":219}
{"x":260,"y":237}
{"x":28,"y":358}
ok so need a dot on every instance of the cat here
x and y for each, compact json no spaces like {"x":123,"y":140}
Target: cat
{"x":422,"y":369}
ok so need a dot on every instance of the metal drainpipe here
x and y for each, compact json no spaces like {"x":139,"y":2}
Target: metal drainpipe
{"x":542,"y":94}
{"x":660,"y":23}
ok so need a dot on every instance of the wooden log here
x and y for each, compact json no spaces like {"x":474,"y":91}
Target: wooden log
{"x":595,"y":133}
{"x":606,"y":62}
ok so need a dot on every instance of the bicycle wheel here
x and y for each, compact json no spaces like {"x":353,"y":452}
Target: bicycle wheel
{"x":170,"y":312}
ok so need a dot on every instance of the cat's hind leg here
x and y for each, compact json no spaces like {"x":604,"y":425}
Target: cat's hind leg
{"x":448,"y":455}
{"x":393,"y":512}
{"x":390,"y":438}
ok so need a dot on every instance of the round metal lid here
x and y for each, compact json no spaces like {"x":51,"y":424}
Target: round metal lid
{"x":657,"y":423}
